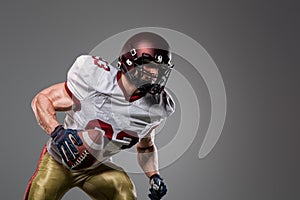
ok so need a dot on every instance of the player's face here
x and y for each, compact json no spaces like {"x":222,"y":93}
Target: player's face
{"x":147,"y":73}
{"x":150,"y":73}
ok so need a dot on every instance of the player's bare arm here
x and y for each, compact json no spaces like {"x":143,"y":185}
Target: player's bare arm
{"x":47,"y":102}
{"x":44,"y":105}
{"x":147,"y":155}
{"x":147,"y":158}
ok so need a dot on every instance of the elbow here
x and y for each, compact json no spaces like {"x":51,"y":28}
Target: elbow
{"x":33,"y":103}
{"x":37,"y":100}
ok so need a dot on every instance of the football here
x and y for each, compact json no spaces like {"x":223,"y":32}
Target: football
{"x":89,"y":151}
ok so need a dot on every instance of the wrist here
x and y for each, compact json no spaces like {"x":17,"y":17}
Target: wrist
{"x":149,"y":173}
{"x":155,"y":176}
{"x":56,"y":130}
{"x":49,"y":128}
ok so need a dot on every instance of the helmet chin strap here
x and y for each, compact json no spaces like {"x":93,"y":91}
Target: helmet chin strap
{"x":151,"y":88}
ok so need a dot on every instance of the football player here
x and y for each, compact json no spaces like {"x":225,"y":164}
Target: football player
{"x":126,"y":102}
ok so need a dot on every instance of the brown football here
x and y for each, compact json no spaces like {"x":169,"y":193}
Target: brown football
{"x":89,"y":151}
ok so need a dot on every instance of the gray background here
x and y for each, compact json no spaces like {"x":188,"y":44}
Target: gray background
{"x":253,"y":43}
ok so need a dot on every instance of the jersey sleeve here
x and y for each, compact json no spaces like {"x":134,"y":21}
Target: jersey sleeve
{"x":169,"y":104}
{"x":161,"y":111}
{"x":87,"y":74}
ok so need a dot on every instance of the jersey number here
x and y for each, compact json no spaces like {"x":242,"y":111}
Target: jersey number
{"x":126,"y":137}
{"x":101,"y":63}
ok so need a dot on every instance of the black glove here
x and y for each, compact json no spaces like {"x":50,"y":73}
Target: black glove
{"x":158,"y":188}
{"x":65,"y":141}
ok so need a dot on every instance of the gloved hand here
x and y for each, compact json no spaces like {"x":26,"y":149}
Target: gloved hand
{"x":65,"y":141}
{"x":158,"y":188}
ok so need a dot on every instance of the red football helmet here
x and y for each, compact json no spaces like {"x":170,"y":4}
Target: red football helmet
{"x":146,"y":60}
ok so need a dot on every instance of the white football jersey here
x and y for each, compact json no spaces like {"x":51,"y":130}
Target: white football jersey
{"x":100,"y":102}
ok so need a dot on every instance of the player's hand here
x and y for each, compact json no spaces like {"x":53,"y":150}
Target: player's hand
{"x":65,"y":141}
{"x":158,"y":188}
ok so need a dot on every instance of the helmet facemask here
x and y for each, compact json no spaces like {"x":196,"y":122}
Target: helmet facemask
{"x":149,"y":74}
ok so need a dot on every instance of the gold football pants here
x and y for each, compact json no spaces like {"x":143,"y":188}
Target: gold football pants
{"x":52,"y":180}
